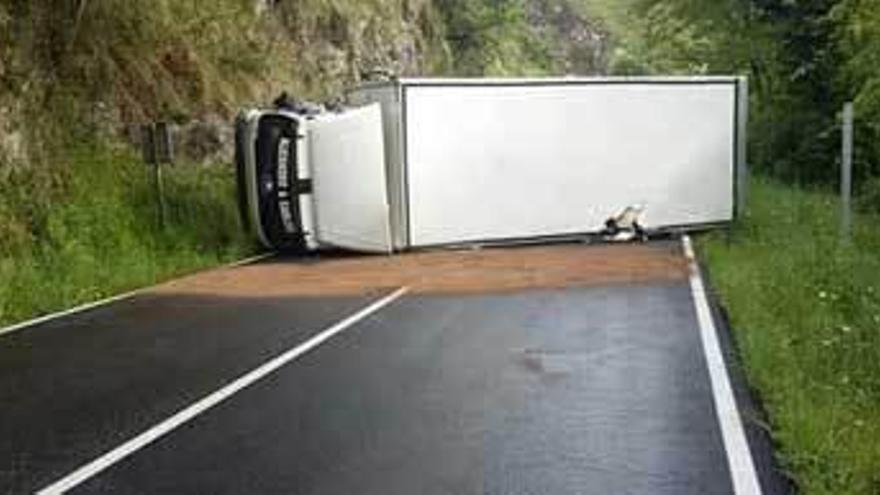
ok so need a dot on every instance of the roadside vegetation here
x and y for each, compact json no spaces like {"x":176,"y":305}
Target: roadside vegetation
{"x":805,"y":309}
{"x":102,"y":235}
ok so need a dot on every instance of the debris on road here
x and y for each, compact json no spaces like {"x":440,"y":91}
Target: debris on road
{"x":467,"y":271}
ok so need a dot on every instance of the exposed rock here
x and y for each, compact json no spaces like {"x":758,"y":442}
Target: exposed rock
{"x":206,"y":141}
{"x":209,"y":140}
{"x":13,"y":146}
{"x":580,"y":46}
{"x":263,"y":6}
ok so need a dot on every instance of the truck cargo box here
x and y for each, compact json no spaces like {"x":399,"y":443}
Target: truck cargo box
{"x":429,"y":162}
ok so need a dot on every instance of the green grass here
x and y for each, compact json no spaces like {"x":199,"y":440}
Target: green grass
{"x":92,"y":230}
{"x":805,"y":308}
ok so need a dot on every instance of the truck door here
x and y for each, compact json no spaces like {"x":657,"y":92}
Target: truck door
{"x":347,"y":159}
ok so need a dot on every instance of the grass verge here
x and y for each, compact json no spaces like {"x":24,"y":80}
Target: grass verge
{"x":805,"y":308}
{"x":93,"y":231}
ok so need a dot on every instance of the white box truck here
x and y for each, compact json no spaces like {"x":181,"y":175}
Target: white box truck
{"x":417,"y":163}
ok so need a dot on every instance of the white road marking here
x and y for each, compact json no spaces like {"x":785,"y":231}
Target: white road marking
{"x":154,"y":433}
{"x":119,"y":297}
{"x":739,"y":457}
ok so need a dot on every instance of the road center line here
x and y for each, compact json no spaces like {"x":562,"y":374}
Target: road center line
{"x":110,"y":458}
{"x":739,"y":457}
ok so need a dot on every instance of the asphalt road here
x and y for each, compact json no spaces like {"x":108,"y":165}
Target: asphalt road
{"x":588,"y":390}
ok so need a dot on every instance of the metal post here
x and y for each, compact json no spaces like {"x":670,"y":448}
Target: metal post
{"x":150,"y":148}
{"x":164,"y":154}
{"x":164,"y":143}
{"x":846,"y":173}
{"x":148,"y":144}
{"x":160,"y":194}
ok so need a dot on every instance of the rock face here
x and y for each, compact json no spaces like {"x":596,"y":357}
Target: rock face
{"x":580,"y":46}
{"x":209,"y":140}
{"x":336,"y":48}
{"x":203,"y":69}
{"x":13,"y":149}
{"x":321,"y":50}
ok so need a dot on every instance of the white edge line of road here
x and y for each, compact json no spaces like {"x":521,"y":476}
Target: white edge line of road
{"x":149,"y":436}
{"x":739,"y":457}
{"x":119,"y":297}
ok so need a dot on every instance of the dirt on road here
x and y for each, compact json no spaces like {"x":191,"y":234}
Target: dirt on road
{"x":463,"y":271}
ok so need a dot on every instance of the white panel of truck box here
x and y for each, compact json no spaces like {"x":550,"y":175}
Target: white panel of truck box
{"x":492,"y":162}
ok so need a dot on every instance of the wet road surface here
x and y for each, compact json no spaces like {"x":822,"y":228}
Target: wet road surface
{"x":595,"y":388}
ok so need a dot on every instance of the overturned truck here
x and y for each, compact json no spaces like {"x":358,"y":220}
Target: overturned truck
{"x":415,"y":163}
